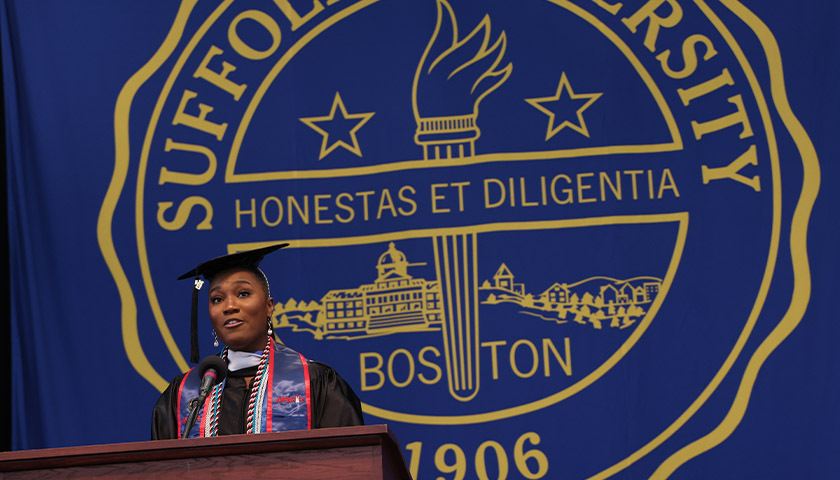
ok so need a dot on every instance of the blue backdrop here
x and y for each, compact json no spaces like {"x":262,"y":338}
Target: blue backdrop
{"x":540,"y":239}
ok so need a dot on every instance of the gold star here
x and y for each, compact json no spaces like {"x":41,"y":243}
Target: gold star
{"x":563,"y":106}
{"x":344,"y":128}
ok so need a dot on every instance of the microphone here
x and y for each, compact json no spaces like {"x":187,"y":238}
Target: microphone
{"x":212,"y":371}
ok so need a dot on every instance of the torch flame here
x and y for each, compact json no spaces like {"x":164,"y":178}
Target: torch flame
{"x":465,"y":72}
{"x":453,"y":76}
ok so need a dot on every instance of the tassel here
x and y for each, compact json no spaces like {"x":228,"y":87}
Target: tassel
{"x":194,"y":322}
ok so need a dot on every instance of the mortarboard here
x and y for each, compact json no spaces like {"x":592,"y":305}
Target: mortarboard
{"x":208,"y":269}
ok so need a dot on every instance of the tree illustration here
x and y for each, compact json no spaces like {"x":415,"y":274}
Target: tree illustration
{"x":596,"y":318}
{"x":528,"y":300}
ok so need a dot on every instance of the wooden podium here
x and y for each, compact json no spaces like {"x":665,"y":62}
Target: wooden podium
{"x":368,"y":452}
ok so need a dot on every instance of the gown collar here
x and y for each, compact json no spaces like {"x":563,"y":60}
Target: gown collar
{"x":238,"y":360}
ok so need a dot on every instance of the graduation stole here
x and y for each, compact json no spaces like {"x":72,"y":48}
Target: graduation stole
{"x":280,"y":398}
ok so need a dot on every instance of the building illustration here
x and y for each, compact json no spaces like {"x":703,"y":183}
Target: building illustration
{"x":592,"y":301}
{"x":397,"y":302}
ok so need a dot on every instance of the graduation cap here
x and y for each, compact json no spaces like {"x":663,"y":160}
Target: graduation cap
{"x":249,"y":259}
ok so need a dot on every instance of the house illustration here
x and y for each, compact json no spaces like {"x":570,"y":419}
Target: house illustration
{"x":503,"y":280}
{"x":614,"y":296}
{"x":651,"y":289}
{"x":556,"y":293}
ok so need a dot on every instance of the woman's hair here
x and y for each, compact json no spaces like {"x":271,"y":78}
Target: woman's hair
{"x":257,"y":273}
{"x":262,"y":279}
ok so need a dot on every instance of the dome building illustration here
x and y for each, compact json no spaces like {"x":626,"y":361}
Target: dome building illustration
{"x":394,"y":302}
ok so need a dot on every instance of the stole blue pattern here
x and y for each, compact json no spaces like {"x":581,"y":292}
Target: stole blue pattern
{"x":288,"y":394}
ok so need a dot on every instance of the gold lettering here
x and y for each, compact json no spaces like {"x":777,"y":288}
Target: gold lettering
{"x":183,"y":214}
{"x":648,"y":12}
{"x":615,"y":188}
{"x":460,"y":186}
{"x":219,"y":79}
{"x":512,"y":189}
{"x":276,"y":201}
{"x":200,"y":122}
{"x":296,"y":20}
{"x":633,"y":174}
{"x":667,"y":183}
{"x":436,"y":197}
{"x":386,"y":203}
{"x":613,"y":8}
{"x":494,"y":359}
{"x":407,"y":355}
{"x":402,"y":196}
{"x":321,"y":208}
{"x":421,"y":357}
{"x":689,"y":56}
{"x":365,"y":196}
{"x":168,"y":176}
{"x":689,"y":94}
{"x":739,"y":116}
{"x":534,"y":355}
{"x":246,"y":50}
{"x":346,"y":208}
{"x":303,"y":212}
{"x":487,"y":182}
{"x":252,"y":212}
{"x":568,"y":191}
{"x":565,"y":363}
{"x":543,"y":191}
{"x":525,"y":202}
{"x":731,"y":171}
{"x":581,"y":187}
{"x":375,"y":369}
{"x":650,"y":183}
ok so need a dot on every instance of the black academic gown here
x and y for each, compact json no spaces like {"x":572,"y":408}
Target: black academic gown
{"x":333,"y":403}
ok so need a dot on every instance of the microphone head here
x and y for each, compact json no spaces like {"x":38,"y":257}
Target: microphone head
{"x":215,"y":366}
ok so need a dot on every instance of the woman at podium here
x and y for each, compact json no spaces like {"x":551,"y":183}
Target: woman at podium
{"x":268,"y":386}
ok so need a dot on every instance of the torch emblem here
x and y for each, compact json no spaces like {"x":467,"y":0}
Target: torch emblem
{"x":453,"y":76}
{"x":462,"y":71}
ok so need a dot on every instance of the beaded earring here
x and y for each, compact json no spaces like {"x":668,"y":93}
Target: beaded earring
{"x":270,"y":330}
{"x":215,"y":339}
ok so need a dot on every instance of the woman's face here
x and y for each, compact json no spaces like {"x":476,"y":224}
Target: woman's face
{"x":239,"y":309}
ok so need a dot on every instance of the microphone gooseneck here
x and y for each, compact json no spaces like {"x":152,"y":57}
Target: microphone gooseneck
{"x":212,"y":371}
